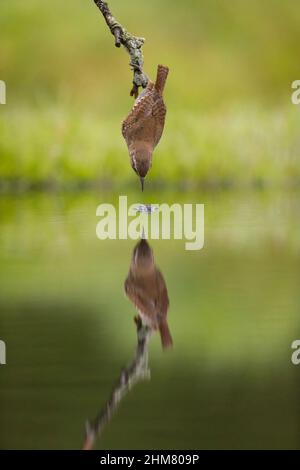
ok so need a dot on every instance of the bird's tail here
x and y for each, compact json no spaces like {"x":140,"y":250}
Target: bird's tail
{"x":162,"y":74}
{"x":165,"y":335}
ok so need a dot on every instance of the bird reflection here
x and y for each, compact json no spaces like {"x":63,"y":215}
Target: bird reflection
{"x":147,"y":290}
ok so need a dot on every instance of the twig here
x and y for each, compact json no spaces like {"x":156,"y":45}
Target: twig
{"x":132,"y":44}
{"x":131,"y":375}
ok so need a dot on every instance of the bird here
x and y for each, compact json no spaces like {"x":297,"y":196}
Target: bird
{"x":146,"y":289}
{"x":144,"y":125}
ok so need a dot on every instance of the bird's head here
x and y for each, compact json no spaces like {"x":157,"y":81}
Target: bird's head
{"x":141,"y":160}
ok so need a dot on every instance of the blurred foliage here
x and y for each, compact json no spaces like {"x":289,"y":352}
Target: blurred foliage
{"x":60,"y":147}
{"x":230,"y":114}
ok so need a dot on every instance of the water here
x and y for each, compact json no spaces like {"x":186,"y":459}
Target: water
{"x":71,"y":339}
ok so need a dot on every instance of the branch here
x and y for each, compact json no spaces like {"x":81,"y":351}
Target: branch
{"x":130,"y":376}
{"x":132,"y":44}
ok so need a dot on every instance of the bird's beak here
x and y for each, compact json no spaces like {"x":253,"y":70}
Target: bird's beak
{"x":142,"y":183}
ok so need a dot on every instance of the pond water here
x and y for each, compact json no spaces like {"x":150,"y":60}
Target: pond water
{"x":71,"y":339}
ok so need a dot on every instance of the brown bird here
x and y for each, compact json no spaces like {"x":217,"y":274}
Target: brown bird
{"x":147,"y":290}
{"x":143,"y":127}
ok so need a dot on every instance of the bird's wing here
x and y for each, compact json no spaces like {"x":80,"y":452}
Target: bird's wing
{"x":140,"y":298}
{"x":159,"y":112}
{"x":163,"y":298}
{"x":140,"y":111}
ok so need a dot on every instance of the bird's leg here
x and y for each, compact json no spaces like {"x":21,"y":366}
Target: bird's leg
{"x":134,"y":91}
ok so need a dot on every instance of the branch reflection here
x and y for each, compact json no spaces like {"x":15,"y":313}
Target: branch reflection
{"x":146,"y":289}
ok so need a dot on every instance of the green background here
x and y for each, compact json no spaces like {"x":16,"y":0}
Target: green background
{"x":230,"y":116}
{"x":232,"y":143}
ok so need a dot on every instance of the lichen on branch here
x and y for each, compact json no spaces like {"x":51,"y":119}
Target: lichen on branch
{"x":132,"y":44}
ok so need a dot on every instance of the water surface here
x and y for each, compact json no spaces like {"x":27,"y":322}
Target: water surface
{"x":228,"y":381}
